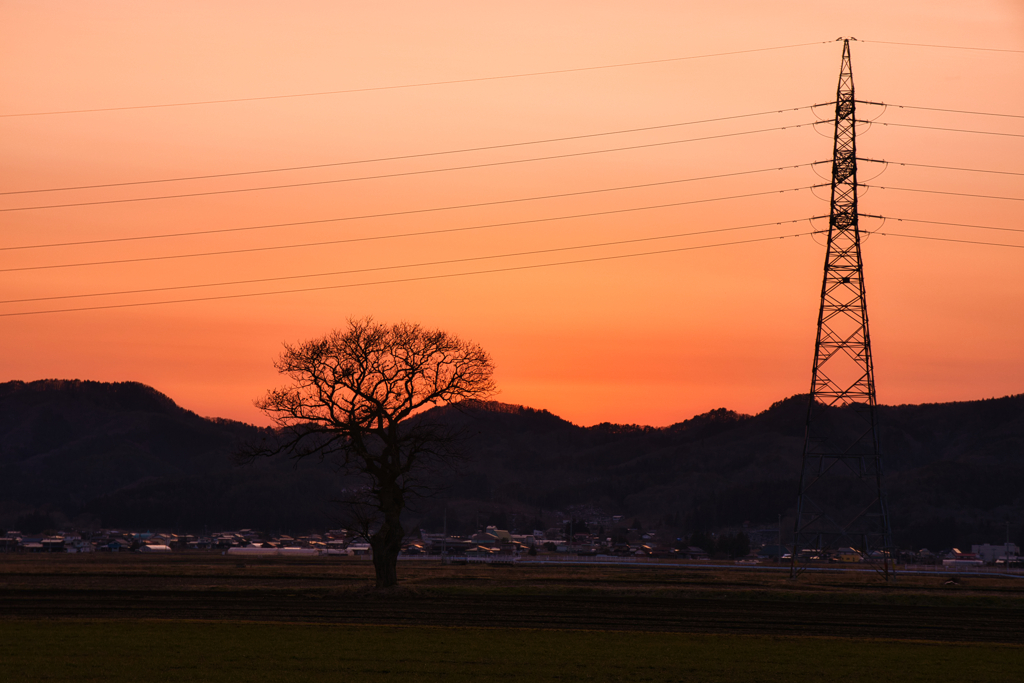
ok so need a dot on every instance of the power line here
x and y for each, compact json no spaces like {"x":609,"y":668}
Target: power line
{"x":952,"y":130}
{"x":944,"y":47}
{"x":944,"y":168}
{"x":441,"y":208}
{"x":411,"y":265}
{"x":396,"y":175}
{"x":950,"y":111}
{"x":955,"y":194}
{"x":948,"y":239}
{"x":957,"y":225}
{"x":411,"y":279}
{"x":410,"y":85}
{"x":379,"y":215}
{"x":325,"y":243}
{"x":405,"y":156}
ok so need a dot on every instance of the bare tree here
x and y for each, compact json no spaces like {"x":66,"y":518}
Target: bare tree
{"x":356,"y":400}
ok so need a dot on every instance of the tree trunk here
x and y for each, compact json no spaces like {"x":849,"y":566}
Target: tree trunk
{"x":386,"y":545}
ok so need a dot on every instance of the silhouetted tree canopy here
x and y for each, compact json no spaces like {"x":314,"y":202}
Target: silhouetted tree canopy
{"x":355,"y":400}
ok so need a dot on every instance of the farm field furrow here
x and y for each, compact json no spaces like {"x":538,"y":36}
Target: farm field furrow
{"x":211,"y":587}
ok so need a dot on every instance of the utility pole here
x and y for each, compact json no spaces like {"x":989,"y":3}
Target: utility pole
{"x":841,"y":502}
{"x":444,"y":537}
{"x":1006,"y":548}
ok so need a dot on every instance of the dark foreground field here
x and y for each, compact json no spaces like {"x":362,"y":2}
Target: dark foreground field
{"x":220,"y":651}
{"x":210,"y":617}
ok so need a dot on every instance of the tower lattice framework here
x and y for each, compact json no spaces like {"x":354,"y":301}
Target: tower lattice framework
{"x":841,"y":509}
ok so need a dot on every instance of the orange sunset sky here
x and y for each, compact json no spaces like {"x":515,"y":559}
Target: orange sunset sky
{"x":650,"y":339}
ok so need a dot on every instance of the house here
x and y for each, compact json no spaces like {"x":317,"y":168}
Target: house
{"x":848,"y":555}
{"x":78,"y":545}
{"x":53,"y":544}
{"x":453,"y":545}
{"x":692,"y":552}
{"x":480,"y":551}
{"x":491,"y":536}
{"x":955,"y":559}
{"x":183,"y":542}
{"x":226,"y":541}
{"x":527,"y":540}
{"x":31,"y":544}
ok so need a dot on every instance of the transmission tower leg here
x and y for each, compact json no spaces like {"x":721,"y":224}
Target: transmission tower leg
{"x":841,"y":512}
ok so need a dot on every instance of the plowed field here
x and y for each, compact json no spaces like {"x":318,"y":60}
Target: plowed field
{"x":212,"y":587}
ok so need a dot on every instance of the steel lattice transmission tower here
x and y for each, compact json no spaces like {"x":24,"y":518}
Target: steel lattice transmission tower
{"x":841,"y":502}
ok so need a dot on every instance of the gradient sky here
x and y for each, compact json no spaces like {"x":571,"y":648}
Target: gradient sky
{"x":653,"y":339}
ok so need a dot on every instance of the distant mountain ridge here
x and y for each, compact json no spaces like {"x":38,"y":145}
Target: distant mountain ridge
{"x":126,"y":455}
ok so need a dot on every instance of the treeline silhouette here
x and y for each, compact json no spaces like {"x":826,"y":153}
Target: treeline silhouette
{"x":77,"y":453}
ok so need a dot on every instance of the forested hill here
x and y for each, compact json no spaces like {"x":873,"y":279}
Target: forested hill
{"x":954,"y":471}
{"x":124,"y":454}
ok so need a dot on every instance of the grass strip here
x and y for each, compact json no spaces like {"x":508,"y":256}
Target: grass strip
{"x":173,"y":651}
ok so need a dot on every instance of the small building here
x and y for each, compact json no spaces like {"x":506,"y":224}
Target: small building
{"x":692,"y":552}
{"x":848,"y":556}
{"x":527,"y":540}
{"x":989,"y":553}
{"x":154,"y":548}
{"x":955,"y":559}
{"x":53,"y":544}
{"x":79,"y":545}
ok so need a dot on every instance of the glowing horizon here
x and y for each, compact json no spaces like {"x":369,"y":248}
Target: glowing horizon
{"x":653,"y":340}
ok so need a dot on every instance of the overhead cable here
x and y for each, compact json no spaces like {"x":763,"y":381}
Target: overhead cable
{"x":948,"y":239}
{"x":396,"y":175}
{"x":342,"y":241}
{"x":952,"y":130}
{"x":411,"y":265}
{"x":954,"y":194}
{"x":411,"y":85}
{"x":404,"y":156}
{"x":389,"y":214}
{"x":421,"y":278}
{"x":950,"y":111}
{"x":957,"y":225}
{"x":944,"y":47}
{"x":944,"y":168}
